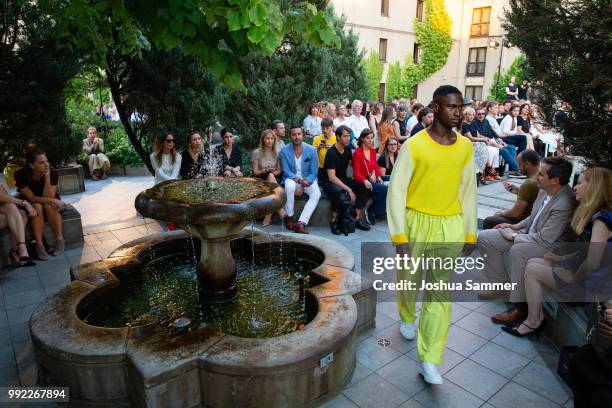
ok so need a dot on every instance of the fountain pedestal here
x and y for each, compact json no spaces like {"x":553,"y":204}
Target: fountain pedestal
{"x":214,"y":209}
{"x":216,"y":271}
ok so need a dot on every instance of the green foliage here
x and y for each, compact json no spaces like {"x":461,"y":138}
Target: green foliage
{"x":33,"y":73}
{"x":517,"y":69}
{"x":219,"y":33}
{"x":118,"y":149}
{"x":433,"y":37}
{"x":373,"y":67}
{"x":168,"y":90}
{"x":279,"y":86}
{"x":567,"y":48}
{"x":394,"y":81}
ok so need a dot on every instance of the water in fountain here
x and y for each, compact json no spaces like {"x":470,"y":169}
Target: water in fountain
{"x":270,"y":300}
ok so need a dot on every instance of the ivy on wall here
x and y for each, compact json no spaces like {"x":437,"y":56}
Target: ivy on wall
{"x":435,"y":42}
{"x":374,"y":69}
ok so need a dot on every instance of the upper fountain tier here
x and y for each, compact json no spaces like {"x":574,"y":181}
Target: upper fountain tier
{"x":210,"y":201}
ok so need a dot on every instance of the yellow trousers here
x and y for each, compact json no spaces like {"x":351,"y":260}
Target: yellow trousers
{"x":432,"y":238}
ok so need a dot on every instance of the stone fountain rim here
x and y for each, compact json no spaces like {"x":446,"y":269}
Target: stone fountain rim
{"x":97,"y":276}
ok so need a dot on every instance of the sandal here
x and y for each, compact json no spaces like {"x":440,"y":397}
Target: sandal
{"x":59,"y":247}
{"x":20,"y":261}
{"x":41,"y":253}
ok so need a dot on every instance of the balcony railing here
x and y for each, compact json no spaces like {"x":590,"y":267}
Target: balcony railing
{"x":475,"y":69}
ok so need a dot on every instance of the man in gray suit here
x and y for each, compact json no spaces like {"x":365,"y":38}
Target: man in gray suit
{"x":508,"y":247}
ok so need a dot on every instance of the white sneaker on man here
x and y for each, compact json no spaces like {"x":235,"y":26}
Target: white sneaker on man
{"x":408,"y":330}
{"x":430,"y":373}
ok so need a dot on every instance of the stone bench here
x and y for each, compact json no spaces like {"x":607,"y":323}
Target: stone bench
{"x":71,"y":228}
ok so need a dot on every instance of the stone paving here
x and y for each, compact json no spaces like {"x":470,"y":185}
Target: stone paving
{"x":483,"y":365}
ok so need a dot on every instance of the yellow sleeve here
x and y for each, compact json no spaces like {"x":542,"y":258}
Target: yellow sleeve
{"x":397,"y":193}
{"x":467,"y":198}
{"x":316,"y":141}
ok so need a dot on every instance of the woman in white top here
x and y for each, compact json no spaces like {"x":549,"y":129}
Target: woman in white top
{"x":165,"y":159}
{"x":340,"y":118}
{"x":508,"y":125}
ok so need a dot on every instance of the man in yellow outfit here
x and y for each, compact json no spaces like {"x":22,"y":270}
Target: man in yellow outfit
{"x":431,"y":211}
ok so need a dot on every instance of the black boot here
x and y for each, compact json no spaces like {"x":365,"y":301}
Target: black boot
{"x":334,"y":228}
{"x":362,"y":225}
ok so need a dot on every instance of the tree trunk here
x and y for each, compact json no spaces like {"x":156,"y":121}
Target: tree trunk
{"x":114,"y":82}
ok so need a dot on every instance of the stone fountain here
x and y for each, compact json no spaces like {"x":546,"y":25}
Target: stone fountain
{"x":217,"y":316}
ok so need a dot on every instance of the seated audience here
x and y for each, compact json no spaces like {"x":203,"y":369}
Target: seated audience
{"x":336,"y":181}
{"x":592,"y":222}
{"x":414,"y":119}
{"x":529,"y":163}
{"x":520,"y":141}
{"x":400,"y":125}
{"x":324,"y":142}
{"x":385,"y":129}
{"x":523,"y":125}
{"x":229,"y":155}
{"x":386,"y":161}
{"x":480,"y":143}
{"x":165,"y":159}
{"x":15,"y":221}
{"x":98,"y":162}
{"x":508,"y":152}
{"x":194,"y":158}
{"x":37,"y":183}
{"x":425,"y":119}
{"x":312,"y":122}
{"x":366,"y":171}
{"x":266,"y":165}
{"x":509,"y":125}
{"x":299,"y":163}
{"x":330,"y":111}
{"x":531,"y":238}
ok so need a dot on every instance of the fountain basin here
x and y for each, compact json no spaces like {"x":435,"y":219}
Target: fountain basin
{"x":150,"y":366}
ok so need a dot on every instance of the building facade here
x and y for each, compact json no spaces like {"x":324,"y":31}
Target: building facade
{"x":386,"y":26}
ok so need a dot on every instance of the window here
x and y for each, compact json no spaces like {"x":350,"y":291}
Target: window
{"x":473,"y":92}
{"x":416,"y":53}
{"x":382,"y":89}
{"x":419,"y":10}
{"x":384,"y":8}
{"x":480,"y":21}
{"x":382,"y":49}
{"x":477,"y":59}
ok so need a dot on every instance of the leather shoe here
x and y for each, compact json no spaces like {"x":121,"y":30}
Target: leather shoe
{"x":300,"y":228}
{"x":289,"y":223}
{"x":334,"y":228}
{"x":512,"y":316}
{"x":362,"y":225}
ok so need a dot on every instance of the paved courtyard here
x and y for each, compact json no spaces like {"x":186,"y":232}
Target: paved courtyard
{"x":483,"y":365}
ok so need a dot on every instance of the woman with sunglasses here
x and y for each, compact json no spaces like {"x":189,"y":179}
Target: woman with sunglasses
{"x":166,"y":161}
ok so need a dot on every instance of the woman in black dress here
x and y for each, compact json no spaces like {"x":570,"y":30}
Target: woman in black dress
{"x":195,"y":158}
{"x":229,"y":155}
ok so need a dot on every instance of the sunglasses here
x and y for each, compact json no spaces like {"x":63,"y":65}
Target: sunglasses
{"x":169,"y":140}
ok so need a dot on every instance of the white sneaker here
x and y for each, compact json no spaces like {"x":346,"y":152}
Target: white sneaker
{"x":408,"y":330}
{"x":430,"y":373}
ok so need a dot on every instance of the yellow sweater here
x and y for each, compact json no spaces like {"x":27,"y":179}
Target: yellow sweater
{"x":433,"y":179}
{"x":322,"y":152}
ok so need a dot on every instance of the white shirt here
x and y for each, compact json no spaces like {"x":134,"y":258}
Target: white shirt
{"x":494,"y":125}
{"x":298,"y":166}
{"x":412,"y":121}
{"x":312,"y":124}
{"x":532,"y":227}
{"x":339,"y":121}
{"x":166,"y":170}
{"x":357,"y":124}
{"x":506,"y":125}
